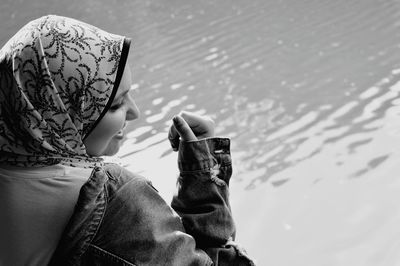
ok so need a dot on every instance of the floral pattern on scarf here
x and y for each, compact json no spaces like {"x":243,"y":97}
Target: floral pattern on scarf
{"x":58,"y":77}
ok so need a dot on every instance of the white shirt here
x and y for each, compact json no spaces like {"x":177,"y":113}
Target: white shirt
{"x":35,"y":206}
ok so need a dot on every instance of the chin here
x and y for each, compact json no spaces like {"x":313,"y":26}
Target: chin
{"x":111,"y":152}
{"x":112,"y":148}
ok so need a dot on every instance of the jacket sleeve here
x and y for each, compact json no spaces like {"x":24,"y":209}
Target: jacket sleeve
{"x":139,"y":227}
{"x":202,"y":199}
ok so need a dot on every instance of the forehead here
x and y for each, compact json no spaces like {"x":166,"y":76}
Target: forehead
{"x":125,"y":83}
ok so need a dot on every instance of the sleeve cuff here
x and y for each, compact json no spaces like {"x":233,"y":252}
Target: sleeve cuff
{"x":203,"y":154}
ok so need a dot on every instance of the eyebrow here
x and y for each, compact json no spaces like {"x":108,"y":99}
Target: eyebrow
{"x":125,"y":93}
{"x":131,"y":88}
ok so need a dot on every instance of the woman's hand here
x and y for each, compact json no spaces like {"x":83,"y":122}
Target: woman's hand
{"x":188,"y":126}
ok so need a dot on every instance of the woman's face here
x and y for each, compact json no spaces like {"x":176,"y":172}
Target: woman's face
{"x":106,"y":137}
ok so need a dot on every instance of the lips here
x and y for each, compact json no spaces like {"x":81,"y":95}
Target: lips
{"x":121,"y":133}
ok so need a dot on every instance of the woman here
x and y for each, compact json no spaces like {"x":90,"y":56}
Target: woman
{"x":65,"y":99}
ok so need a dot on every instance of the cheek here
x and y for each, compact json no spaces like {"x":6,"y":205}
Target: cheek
{"x":112,"y":148}
{"x":102,"y":136}
{"x":111,"y":123}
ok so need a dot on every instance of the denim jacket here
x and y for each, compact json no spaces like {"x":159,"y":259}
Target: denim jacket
{"x":120,"y":219}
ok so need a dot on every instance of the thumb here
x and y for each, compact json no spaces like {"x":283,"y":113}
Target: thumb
{"x":183,"y":129}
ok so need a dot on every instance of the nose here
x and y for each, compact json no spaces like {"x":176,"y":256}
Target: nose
{"x":133,"y":111}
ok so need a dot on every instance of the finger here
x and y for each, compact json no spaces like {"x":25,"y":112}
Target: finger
{"x":183,"y":129}
{"x":173,"y":137}
{"x":192,"y":119}
{"x":202,"y":126}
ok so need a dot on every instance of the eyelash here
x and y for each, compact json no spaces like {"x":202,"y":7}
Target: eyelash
{"x":116,"y":106}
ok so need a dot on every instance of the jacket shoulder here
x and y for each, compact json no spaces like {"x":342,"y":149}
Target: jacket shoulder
{"x":118,"y":173}
{"x":119,"y":178}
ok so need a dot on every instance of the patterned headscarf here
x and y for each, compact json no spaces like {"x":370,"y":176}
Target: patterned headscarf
{"x":58,"y":77}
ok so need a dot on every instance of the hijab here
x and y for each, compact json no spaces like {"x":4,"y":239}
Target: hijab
{"x":58,"y":77}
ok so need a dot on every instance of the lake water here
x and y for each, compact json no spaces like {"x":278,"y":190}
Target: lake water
{"x":308,"y":92}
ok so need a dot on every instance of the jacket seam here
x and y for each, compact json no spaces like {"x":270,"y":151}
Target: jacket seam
{"x":118,"y":258}
{"x":121,"y":186}
{"x":98,"y":225}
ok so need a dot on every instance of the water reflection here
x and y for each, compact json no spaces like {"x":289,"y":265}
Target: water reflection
{"x":307,"y":134}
